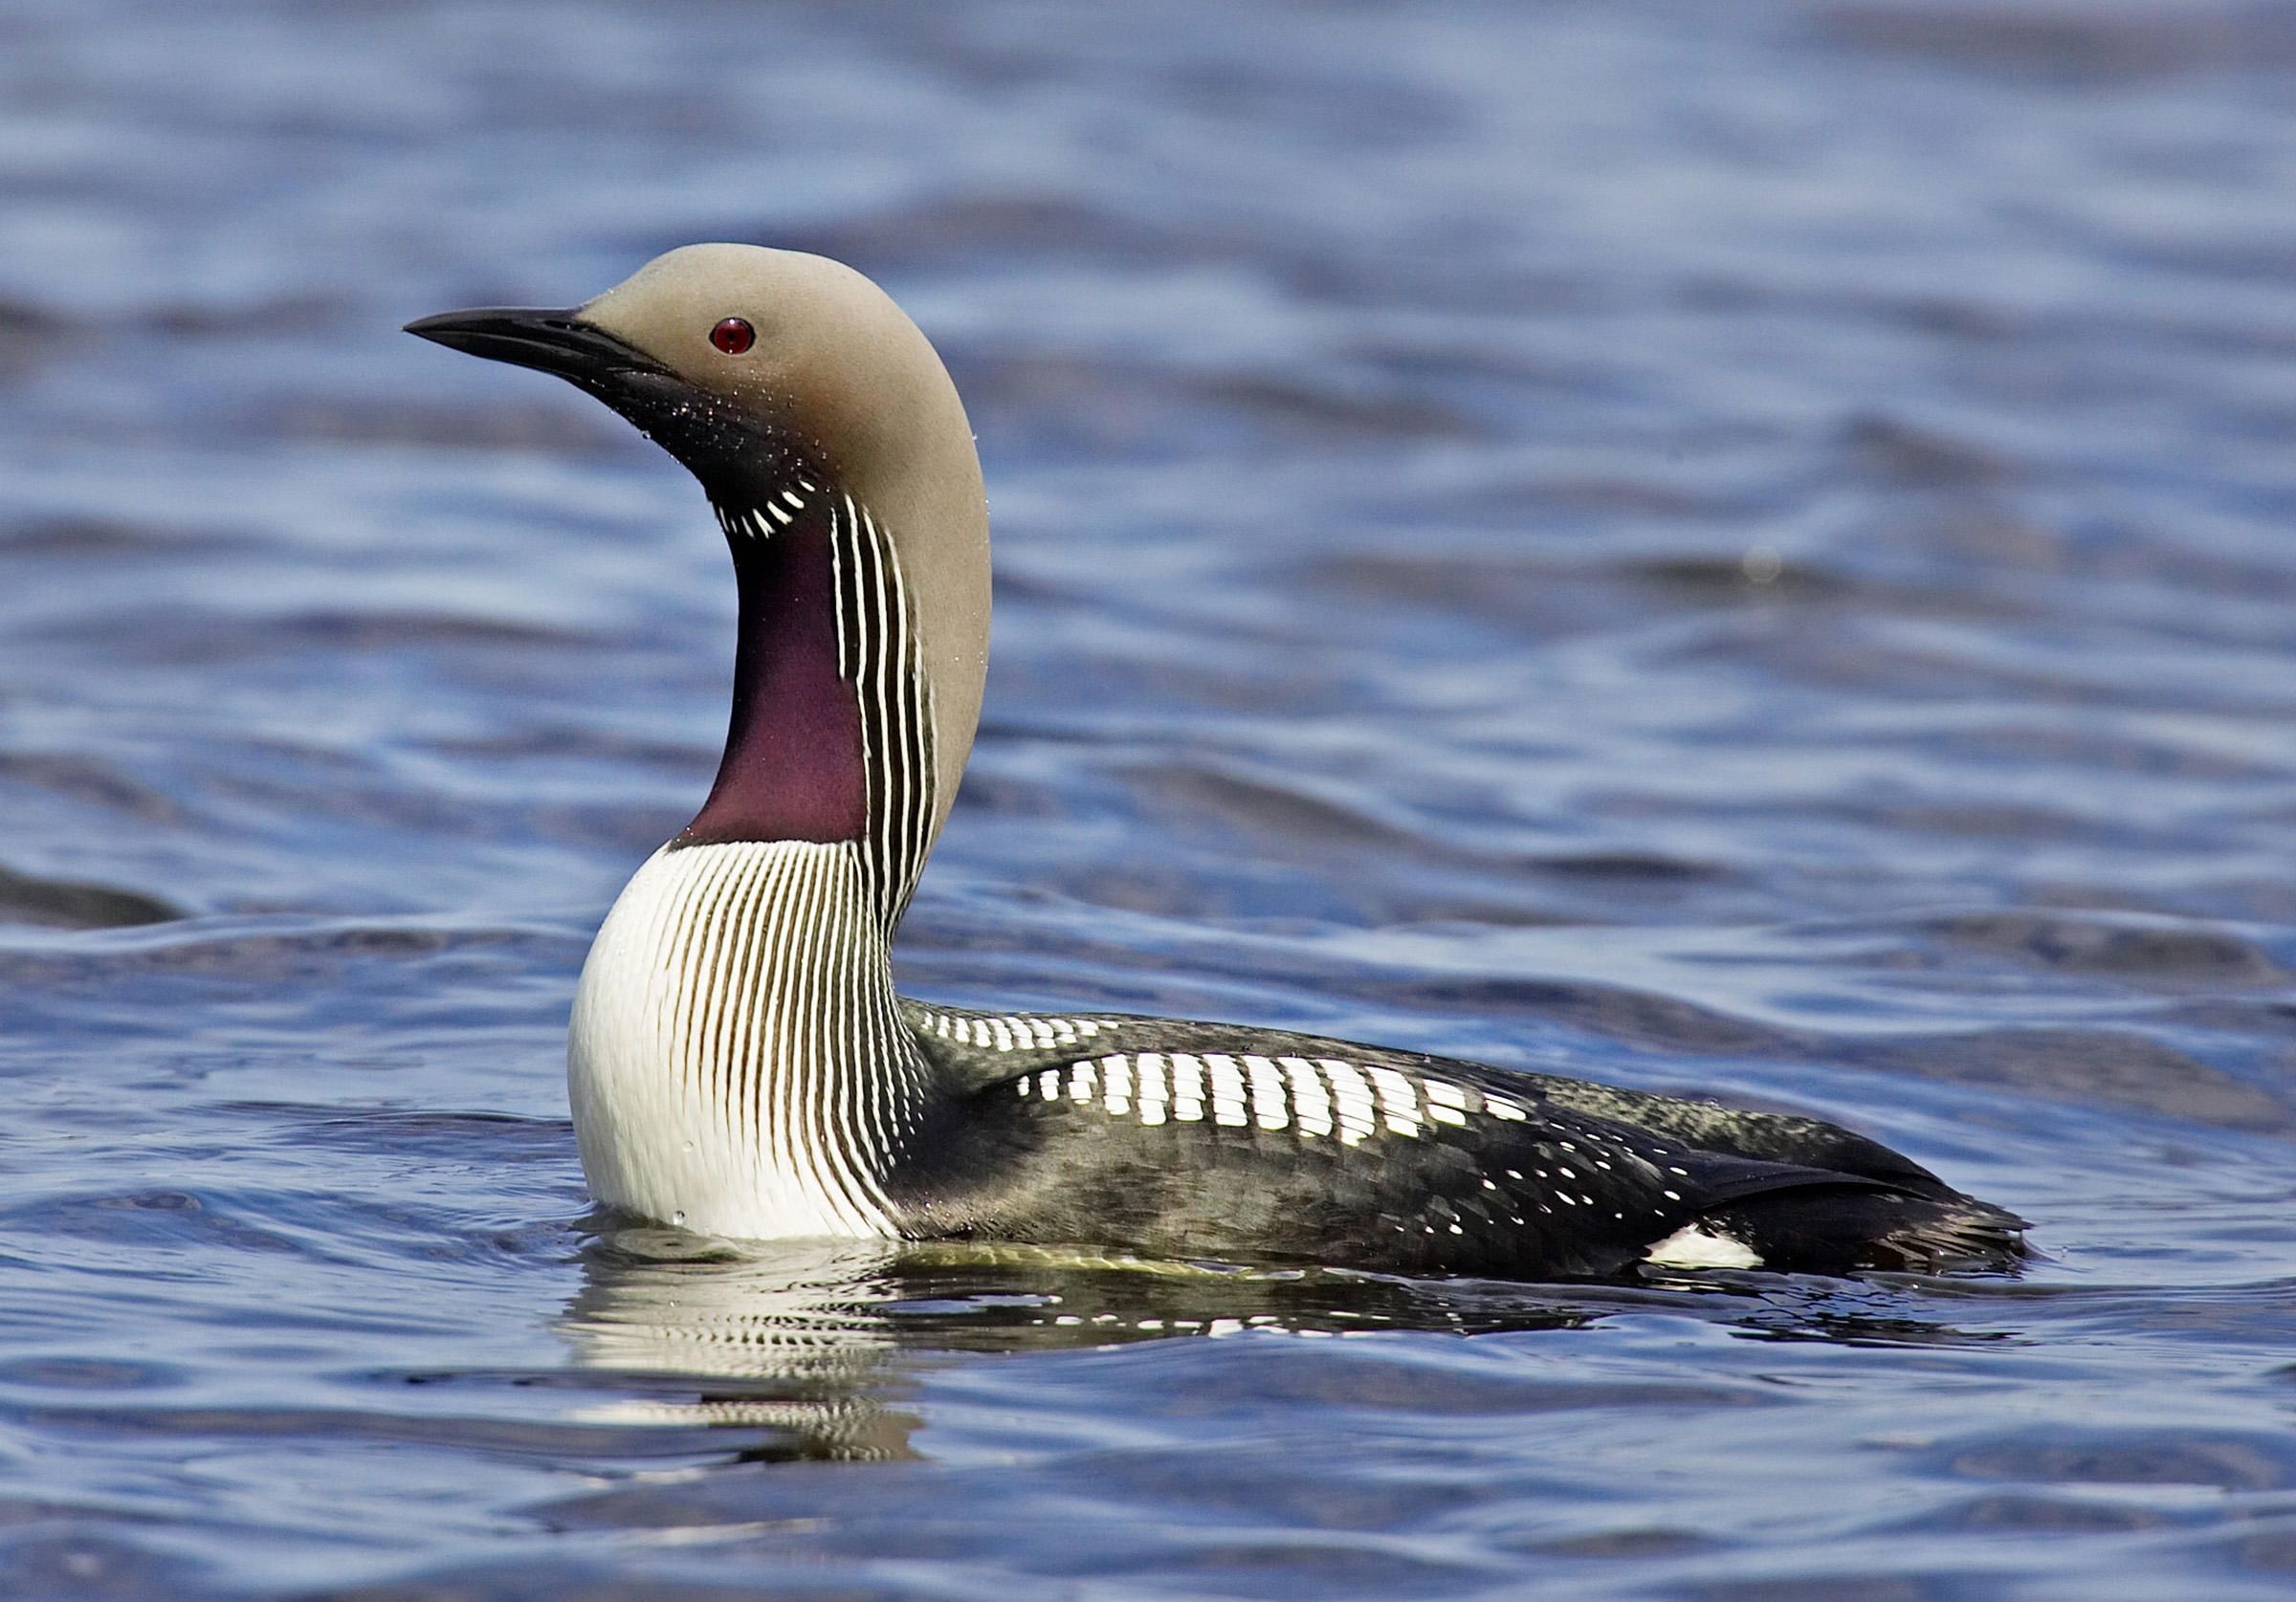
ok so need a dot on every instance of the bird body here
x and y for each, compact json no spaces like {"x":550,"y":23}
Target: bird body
{"x":739,"y":1060}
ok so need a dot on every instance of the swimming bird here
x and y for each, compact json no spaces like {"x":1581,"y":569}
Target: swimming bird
{"x":740,"y":1063}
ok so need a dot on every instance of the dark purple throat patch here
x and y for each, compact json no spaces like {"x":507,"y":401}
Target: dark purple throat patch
{"x":792,"y":768}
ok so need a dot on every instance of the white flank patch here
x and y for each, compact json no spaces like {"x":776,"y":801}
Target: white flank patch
{"x":1693,"y":1247}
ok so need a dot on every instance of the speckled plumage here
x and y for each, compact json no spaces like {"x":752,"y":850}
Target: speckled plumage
{"x":1460,"y":1167}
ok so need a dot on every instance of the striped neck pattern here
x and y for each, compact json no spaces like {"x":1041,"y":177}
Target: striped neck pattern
{"x":739,"y":1063}
{"x":821,"y":578}
{"x":878,"y":654}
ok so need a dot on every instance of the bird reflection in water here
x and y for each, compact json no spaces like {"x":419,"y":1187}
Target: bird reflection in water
{"x":819,"y":1341}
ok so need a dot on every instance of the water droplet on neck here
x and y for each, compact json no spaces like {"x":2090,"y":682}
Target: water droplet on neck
{"x":678,"y":1218}
{"x":689,"y":1146}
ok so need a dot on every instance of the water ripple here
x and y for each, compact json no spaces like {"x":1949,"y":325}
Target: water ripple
{"x":1741,"y":551}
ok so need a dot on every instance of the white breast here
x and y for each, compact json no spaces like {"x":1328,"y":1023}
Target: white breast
{"x":735,"y":1063}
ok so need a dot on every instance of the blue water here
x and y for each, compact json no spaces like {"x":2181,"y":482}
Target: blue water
{"x":1742,"y":549}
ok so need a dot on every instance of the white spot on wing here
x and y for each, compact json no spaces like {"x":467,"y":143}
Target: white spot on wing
{"x":1351,"y":1098}
{"x":1695,"y":1246}
{"x":1311,"y":1102}
{"x":1270,"y":1098}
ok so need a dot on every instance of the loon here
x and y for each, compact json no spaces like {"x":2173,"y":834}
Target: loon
{"x":740,"y":1063}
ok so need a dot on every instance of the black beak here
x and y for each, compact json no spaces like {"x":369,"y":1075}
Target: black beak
{"x":550,"y":341}
{"x":713,"y":437}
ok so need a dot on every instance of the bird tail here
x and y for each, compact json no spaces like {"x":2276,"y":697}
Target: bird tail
{"x":1844,"y":1229}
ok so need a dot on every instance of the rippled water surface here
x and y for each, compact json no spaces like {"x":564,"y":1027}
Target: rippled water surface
{"x":1743,"y":549}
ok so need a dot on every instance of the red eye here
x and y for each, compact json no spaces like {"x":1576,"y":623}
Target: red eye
{"x":733,"y":336}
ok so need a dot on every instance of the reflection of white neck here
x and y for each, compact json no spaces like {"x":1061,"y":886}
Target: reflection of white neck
{"x":807,"y":1315}
{"x":739,"y":1063}
{"x":786,"y":1309}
